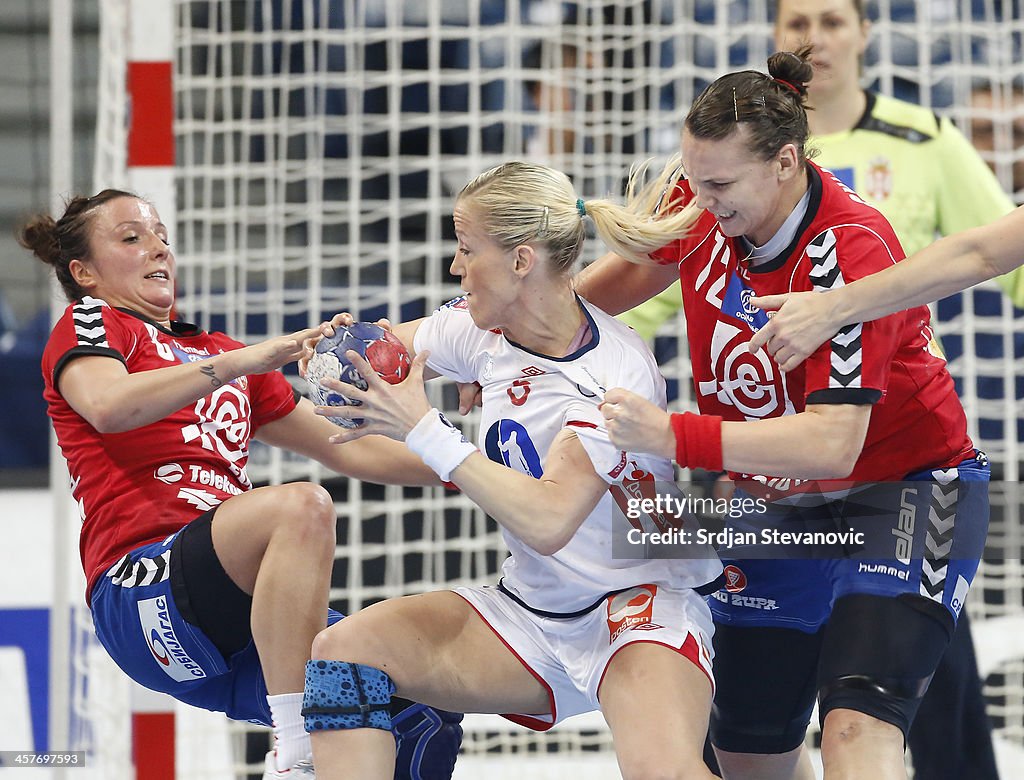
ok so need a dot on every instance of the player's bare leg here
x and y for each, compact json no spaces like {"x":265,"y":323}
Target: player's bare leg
{"x":363,"y":754}
{"x":437,"y":650}
{"x":657,"y":705}
{"x":794,"y":765}
{"x":855,"y":745}
{"x":277,"y":543}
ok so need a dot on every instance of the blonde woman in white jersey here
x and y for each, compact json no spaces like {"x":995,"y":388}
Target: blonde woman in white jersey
{"x":569,"y":628}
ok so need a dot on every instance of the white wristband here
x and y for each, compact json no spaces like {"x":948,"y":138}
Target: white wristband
{"x":439,"y":444}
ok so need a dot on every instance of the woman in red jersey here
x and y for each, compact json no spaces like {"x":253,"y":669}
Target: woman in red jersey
{"x":200,"y":585}
{"x":860,"y":628}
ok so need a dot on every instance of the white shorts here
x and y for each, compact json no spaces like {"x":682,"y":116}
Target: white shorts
{"x":569,"y":656}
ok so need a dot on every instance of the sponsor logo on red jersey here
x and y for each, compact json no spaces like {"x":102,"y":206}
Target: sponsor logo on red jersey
{"x":169,"y":473}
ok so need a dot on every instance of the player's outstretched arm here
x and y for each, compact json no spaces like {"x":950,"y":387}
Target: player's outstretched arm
{"x":568,"y":490}
{"x":646,"y":318}
{"x":370,"y":459}
{"x":822,"y":442}
{"x":806,"y":320}
{"x":112,"y":400}
{"x":616,"y":285}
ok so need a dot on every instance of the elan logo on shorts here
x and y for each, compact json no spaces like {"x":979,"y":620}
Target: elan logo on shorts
{"x":631,"y":609}
{"x":163,"y":643}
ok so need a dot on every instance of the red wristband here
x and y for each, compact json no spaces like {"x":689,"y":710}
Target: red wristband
{"x":698,"y":440}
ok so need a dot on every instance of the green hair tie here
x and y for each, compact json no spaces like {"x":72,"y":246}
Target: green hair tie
{"x":581,"y":207}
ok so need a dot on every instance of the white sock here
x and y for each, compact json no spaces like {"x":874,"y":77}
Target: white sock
{"x":291,"y":742}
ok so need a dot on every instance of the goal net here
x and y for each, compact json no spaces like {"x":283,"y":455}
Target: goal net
{"x":318,"y":147}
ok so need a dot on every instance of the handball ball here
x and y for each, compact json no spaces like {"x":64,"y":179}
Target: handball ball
{"x":382,"y":350}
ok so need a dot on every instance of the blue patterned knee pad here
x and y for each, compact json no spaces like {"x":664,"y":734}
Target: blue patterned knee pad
{"x":342,"y":695}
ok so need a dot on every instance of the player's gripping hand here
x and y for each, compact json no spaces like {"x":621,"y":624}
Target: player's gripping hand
{"x":273,"y":353}
{"x":470,"y":395}
{"x":801,"y":324}
{"x":634,"y":424}
{"x":339,"y":320}
{"x":388,"y":410}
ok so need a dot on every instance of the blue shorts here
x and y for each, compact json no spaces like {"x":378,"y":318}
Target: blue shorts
{"x":140,"y":625}
{"x":923,"y":539}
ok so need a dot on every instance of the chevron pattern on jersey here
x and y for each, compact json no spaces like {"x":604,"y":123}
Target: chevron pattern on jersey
{"x":845,"y":356}
{"x":144,"y":571}
{"x":938,"y":542}
{"x":824,"y":273}
{"x":87,"y":317}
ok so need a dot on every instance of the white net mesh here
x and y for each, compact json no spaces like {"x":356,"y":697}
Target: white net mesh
{"x":319,"y":145}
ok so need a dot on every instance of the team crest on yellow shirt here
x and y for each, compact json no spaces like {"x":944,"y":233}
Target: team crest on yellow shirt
{"x":879,"y":179}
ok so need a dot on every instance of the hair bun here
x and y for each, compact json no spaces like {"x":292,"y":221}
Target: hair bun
{"x":40,"y":237}
{"x":792,"y":69}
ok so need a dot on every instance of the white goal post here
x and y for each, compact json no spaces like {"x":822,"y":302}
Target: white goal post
{"x":318,"y":145}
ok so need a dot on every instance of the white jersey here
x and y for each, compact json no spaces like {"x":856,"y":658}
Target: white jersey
{"x":527,"y":399}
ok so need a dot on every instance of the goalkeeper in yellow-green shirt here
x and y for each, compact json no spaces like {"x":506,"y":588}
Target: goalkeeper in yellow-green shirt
{"x":927,"y":179}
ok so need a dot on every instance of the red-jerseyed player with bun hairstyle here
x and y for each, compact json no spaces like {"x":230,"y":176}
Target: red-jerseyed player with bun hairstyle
{"x":873,"y":405}
{"x":200,"y":585}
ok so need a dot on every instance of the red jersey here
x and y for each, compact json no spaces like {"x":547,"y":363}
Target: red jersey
{"x":893,"y":363}
{"x":141,"y":486}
